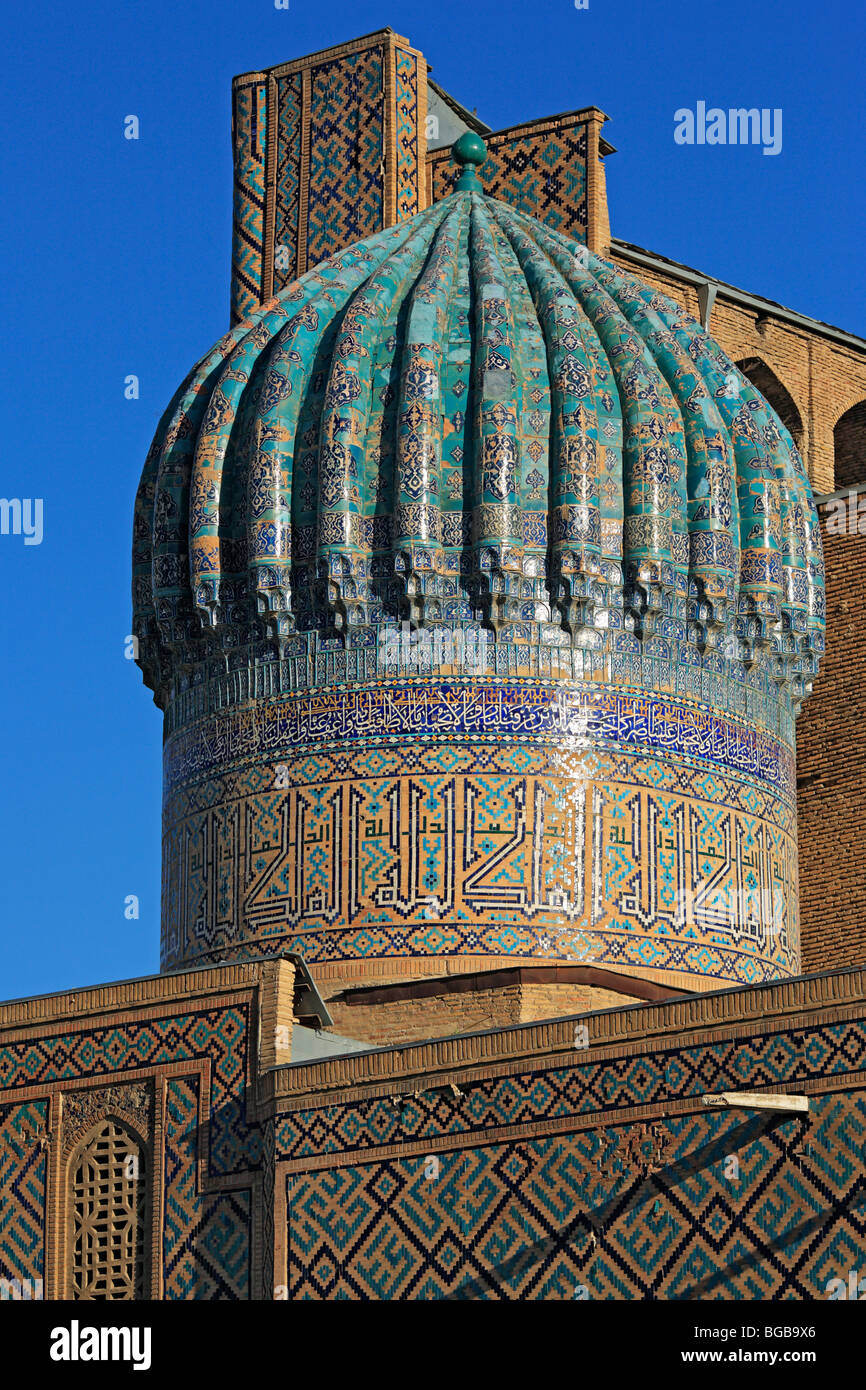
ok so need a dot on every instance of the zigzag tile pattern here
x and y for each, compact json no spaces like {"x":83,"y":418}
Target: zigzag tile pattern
{"x":23,"y":1171}
{"x":780,"y":1059}
{"x":406,"y":105}
{"x":648,"y":1211}
{"x":206,"y":1237}
{"x":288,"y":188}
{"x":250,"y":139}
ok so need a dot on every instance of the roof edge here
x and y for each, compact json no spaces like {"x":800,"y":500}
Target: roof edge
{"x":654,"y":260}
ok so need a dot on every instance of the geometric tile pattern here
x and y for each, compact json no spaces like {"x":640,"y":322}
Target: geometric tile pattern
{"x":346,"y":189}
{"x":206,"y":1234}
{"x":250,"y":120}
{"x":141,"y":1043}
{"x":778,"y":1058}
{"x":653,"y":1210}
{"x":541,"y":172}
{"x":23,"y":1169}
{"x":206,"y":1237}
{"x":317,"y":143}
{"x":406,"y":105}
{"x":527,"y":1184}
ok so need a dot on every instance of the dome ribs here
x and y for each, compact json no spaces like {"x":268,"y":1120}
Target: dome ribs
{"x":417,"y":555}
{"x":213,"y":589}
{"x":582,"y":410}
{"x":772,"y":503}
{"x":497,"y":517}
{"x":179,"y":629}
{"x":529,"y":616}
{"x":280,"y":441}
{"x":144,"y":620}
{"x":712,"y":513}
{"x":469,"y":445}
{"x":343,"y":549}
{"x":653,"y":451}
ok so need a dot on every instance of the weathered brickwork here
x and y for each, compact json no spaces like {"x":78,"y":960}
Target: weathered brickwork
{"x":831,"y":771}
{"x":482,"y":1168}
{"x":849,"y":439}
{"x":444,"y":1008}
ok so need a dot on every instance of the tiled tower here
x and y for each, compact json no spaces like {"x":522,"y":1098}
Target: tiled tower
{"x":480,"y":591}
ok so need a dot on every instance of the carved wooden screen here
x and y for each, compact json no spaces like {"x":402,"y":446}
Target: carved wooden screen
{"x":108,"y":1194}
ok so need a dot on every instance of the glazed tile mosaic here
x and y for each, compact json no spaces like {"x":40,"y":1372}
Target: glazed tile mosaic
{"x":219,"y":1036}
{"x":486,"y":514}
{"x":326,"y":151}
{"x":206,"y":1240}
{"x":541,"y":1181}
{"x":408,"y":172}
{"x":639,"y":1211}
{"x":540,"y":170}
{"x":206,"y":1234}
{"x":249,"y":121}
{"x":556,"y":1174}
{"x":417,"y":843}
{"x":564,"y":1091}
{"x":23,"y":1173}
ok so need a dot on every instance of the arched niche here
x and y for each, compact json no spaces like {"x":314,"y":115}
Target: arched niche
{"x":849,"y":447}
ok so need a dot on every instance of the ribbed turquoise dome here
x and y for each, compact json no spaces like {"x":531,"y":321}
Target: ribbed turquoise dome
{"x":470,"y":423}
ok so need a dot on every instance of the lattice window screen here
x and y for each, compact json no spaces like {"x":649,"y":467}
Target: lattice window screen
{"x":108,"y":1206}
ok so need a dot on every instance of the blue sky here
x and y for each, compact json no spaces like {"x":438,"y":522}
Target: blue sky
{"x":116,"y":261}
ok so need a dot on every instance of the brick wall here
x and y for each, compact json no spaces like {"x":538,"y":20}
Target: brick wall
{"x":831,"y":772}
{"x":414,"y":1011}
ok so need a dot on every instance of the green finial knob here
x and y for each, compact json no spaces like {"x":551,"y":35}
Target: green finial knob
{"x":469,"y":150}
